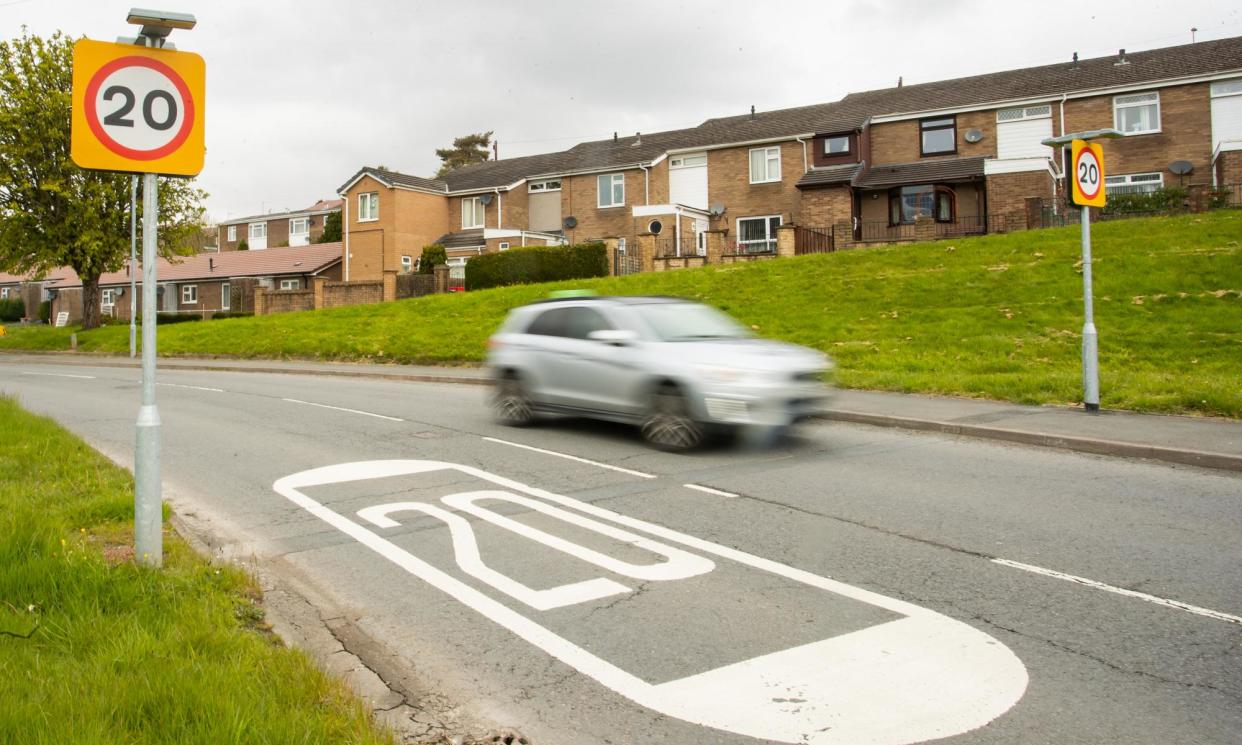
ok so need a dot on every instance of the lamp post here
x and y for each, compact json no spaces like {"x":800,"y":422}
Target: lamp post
{"x":148,"y":500}
{"x":1090,"y":339}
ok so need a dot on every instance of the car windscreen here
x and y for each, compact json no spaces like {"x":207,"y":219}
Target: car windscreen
{"x":689,"y":322}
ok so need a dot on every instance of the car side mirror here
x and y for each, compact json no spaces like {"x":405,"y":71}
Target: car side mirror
{"x":616,"y":337}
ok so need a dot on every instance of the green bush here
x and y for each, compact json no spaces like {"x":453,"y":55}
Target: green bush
{"x":45,"y":311}
{"x":167,"y":319}
{"x":243,"y":246}
{"x":1220,"y":197}
{"x":537,"y":264}
{"x":1169,"y":199}
{"x":231,"y":314}
{"x":12,"y":309}
{"x":433,"y":256}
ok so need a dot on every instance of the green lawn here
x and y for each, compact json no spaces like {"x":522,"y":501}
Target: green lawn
{"x":96,"y":651}
{"x":997,"y":316}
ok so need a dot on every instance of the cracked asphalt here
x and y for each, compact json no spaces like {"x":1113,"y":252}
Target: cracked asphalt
{"x":915,"y":517}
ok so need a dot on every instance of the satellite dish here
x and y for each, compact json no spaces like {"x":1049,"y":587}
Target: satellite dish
{"x":654,"y":227}
{"x":486,"y":199}
{"x":716,"y":210}
{"x":1181,"y":167}
{"x":973,"y":135}
{"x":570,"y":222}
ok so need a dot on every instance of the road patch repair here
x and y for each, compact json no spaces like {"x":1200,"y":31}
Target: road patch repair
{"x":877,"y":670}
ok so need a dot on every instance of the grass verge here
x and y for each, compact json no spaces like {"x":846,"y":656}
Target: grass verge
{"x":997,"y":316}
{"x":95,"y":649}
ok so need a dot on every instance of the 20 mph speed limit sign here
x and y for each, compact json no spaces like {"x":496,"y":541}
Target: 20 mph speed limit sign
{"x":137,"y":109}
{"x":1088,"y":175}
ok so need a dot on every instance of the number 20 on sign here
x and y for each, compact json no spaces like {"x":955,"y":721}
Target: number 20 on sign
{"x":1088,"y":176}
{"x":137,"y":109}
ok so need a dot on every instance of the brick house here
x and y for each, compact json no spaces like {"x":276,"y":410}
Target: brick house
{"x":204,"y":284}
{"x":953,"y":157}
{"x":33,"y":290}
{"x":278,"y":229}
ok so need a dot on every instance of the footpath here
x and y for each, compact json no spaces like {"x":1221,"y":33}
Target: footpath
{"x":1195,"y":441}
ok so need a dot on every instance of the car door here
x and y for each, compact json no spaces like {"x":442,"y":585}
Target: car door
{"x":597,"y":375}
{"x":543,"y":354}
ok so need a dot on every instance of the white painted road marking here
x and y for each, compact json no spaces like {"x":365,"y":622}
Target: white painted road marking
{"x":341,"y":408}
{"x":924,"y":676}
{"x":1209,"y":613}
{"x":192,"y":387}
{"x":60,"y":375}
{"x":709,"y":490}
{"x":596,"y":463}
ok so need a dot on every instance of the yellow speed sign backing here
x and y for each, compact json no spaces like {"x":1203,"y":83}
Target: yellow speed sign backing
{"x":137,"y":109}
{"x":1087,"y":179}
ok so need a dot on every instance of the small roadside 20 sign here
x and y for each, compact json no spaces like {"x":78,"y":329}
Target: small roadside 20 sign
{"x":1087,"y":180}
{"x":137,"y":109}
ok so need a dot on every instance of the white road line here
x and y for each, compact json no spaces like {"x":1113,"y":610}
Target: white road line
{"x":709,"y":490}
{"x":341,"y":408}
{"x":1122,"y":591}
{"x":192,"y":387}
{"x":60,"y":375}
{"x":639,"y":474}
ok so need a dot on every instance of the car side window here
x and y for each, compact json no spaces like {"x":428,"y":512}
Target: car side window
{"x":582,"y":321}
{"x":549,"y":323}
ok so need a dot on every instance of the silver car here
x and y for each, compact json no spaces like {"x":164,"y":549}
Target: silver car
{"x":674,"y":367}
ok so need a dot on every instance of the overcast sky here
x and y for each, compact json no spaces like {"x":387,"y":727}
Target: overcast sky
{"x":300,"y":94}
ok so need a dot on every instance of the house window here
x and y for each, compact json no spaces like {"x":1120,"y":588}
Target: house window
{"x":765,"y":165}
{"x":368,"y":206}
{"x":621,"y":245}
{"x":471,"y":213}
{"x":757,"y":234}
{"x":226,"y":296}
{"x":550,"y":185}
{"x":838,"y":145}
{"x":407,"y":264}
{"x":1227,"y":88}
{"x":290,"y":284}
{"x":611,"y":190}
{"x":1137,"y":114}
{"x":688,"y":161}
{"x":938,"y":136}
{"x":232,"y":232}
{"x":908,"y":203}
{"x":189,"y":294}
{"x":1022,"y":113}
{"x":1134,"y":183}
{"x":107,"y":298}
{"x":4,"y":293}
{"x":457,"y":271}
{"x":299,"y":226}
{"x":504,"y":246}
{"x":258,"y":230}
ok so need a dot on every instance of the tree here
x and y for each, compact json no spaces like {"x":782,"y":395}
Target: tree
{"x":331,"y":229}
{"x":466,"y":149}
{"x":432,"y":255}
{"x":53,"y":213}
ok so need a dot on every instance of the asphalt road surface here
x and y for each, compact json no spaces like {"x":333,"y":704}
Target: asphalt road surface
{"x":848,"y":584}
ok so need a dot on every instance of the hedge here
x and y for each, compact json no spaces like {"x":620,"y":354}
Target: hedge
{"x":536,"y":264}
{"x":12,"y":309}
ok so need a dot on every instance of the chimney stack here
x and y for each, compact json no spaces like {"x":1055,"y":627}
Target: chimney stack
{"x":1075,"y":62}
{"x":495,"y":150}
{"x":1121,"y":58}
{"x":614,"y":137}
{"x":899,"y":81}
{"x":752,"y":112}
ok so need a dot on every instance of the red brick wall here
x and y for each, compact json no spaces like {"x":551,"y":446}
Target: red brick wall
{"x":1229,"y":168}
{"x":728,"y":182}
{"x":1007,"y":193}
{"x":901,"y":142}
{"x":579,"y":199}
{"x":827,"y":205}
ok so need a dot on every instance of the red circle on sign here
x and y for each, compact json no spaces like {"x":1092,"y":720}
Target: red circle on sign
{"x":92,"y":116}
{"x":1082,"y":154}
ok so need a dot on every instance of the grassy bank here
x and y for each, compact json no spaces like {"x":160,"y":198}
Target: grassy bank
{"x":94,"y":649}
{"x":997,"y":316}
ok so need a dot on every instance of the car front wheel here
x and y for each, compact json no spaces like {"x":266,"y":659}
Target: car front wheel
{"x":668,"y":424}
{"x":511,"y":404}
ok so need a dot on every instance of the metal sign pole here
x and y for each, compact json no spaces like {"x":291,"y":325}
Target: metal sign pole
{"x":1090,"y":358}
{"x":133,"y":266}
{"x":148,"y":507}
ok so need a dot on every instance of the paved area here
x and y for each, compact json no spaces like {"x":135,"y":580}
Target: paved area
{"x":1201,"y":441}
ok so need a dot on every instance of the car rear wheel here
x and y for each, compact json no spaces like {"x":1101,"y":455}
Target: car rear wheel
{"x":668,"y":424}
{"x":511,"y":404}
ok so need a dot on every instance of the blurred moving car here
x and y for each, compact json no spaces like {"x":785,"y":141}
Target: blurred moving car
{"x":674,"y":367}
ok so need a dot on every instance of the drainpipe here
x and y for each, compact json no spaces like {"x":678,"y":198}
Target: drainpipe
{"x":499,"y":206}
{"x":804,"y":160}
{"x":677,"y":227}
{"x":346,"y":222}
{"x":646,"y":185}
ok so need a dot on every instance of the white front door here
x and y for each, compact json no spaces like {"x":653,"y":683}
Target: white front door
{"x":700,"y":236}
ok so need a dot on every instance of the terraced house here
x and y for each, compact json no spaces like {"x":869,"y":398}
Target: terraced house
{"x":947,"y":158}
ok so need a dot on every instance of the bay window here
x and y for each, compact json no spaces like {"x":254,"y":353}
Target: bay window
{"x":907,"y":203}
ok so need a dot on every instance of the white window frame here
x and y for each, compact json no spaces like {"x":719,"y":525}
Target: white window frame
{"x":473,"y":205}
{"x":368,"y":206}
{"x":291,"y":284}
{"x":1135,"y":179}
{"x":770,"y":155}
{"x":304,"y":220}
{"x":688,"y":161}
{"x":829,"y":153}
{"x":407,"y":264}
{"x":553,"y":184}
{"x":1023,"y":113}
{"x":254,"y":234}
{"x":614,"y":180}
{"x":4,"y":293}
{"x":503,"y":245}
{"x":1222,"y":88}
{"x":107,"y":297}
{"x":226,"y":296}
{"x":1137,"y":102}
{"x":232,"y":233}
{"x":766,"y":222}
{"x":189,"y":294}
